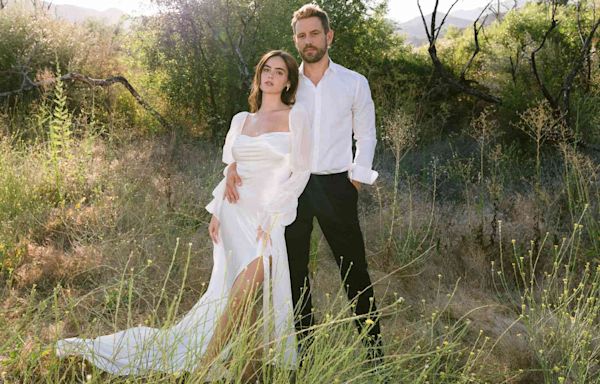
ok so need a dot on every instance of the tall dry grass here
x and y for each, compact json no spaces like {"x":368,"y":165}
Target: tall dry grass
{"x":97,"y":251}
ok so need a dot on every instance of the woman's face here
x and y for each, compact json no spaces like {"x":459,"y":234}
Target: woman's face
{"x":274,"y":76}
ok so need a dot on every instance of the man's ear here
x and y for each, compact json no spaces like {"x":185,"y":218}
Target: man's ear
{"x":329,"y":37}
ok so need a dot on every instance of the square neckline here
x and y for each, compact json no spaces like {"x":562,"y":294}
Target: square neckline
{"x":266,"y":133}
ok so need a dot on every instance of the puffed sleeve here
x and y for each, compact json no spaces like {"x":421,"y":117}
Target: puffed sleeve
{"x":281,"y":210}
{"x":218,"y":193}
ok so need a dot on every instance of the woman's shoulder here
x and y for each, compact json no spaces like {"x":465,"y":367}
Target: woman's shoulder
{"x":238,"y":119}
{"x":239,"y":116}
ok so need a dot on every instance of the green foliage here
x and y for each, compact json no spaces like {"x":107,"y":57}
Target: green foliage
{"x":503,"y":66}
{"x":363,"y":38}
{"x":59,"y":135}
{"x":34,"y":44}
{"x":205,"y":51}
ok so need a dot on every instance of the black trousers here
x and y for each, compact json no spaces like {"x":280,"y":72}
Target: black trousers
{"x":332,"y":199}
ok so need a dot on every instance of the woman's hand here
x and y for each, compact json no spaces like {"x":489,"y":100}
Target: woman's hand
{"x":213,"y":229}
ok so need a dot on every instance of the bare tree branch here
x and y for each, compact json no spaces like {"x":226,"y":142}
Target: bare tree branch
{"x":582,"y":38}
{"x":553,"y":24}
{"x":461,"y":84}
{"x":513,"y":68}
{"x":74,"y":76}
{"x":439,"y":29}
{"x":514,"y":63}
{"x":579,"y":23}
{"x":561,"y":103}
{"x":576,"y":66}
{"x":476,"y":30}
{"x":429,"y":36}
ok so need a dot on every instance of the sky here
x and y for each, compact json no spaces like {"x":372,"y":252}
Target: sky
{"x":399,"y":10}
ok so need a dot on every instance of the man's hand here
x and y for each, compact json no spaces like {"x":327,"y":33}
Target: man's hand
{"x":231,"y":183}
{"x":357,"y":184}
{"x":213,"y":229}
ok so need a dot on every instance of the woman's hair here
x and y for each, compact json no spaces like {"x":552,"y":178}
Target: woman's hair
{"x":311,"y":10}
{"x":288,"y":96}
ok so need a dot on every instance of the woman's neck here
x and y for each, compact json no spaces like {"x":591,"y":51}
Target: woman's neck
{"x":272,"y":102}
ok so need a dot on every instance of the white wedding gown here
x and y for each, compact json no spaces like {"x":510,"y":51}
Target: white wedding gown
{"x":274,"y":168}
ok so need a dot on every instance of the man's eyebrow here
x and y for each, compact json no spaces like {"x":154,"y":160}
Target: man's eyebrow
{"x":311,"y":31}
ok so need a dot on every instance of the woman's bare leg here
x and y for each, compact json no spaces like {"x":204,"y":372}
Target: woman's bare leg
{"x":242,"y":294}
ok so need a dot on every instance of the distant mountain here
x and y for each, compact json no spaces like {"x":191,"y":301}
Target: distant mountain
{"x":414,"y":31}
{"x":415,"y":34}
{"x":73,"y":13}
{"x":471,"y":14}
{"x":77,"y":14}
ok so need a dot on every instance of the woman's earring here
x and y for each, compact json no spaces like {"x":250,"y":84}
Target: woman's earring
{"x":287,"y":89}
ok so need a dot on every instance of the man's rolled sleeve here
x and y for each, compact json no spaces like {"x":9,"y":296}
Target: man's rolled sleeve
{"x":363,"y":127}
{"x":362,"y":174}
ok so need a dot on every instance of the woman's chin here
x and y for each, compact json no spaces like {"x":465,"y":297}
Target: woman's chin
{"x":271,"y":90}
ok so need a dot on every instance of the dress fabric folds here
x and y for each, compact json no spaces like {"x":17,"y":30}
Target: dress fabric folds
{"x":274,"y":168}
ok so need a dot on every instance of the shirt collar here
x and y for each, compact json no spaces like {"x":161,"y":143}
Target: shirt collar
{"x":332,"y":67}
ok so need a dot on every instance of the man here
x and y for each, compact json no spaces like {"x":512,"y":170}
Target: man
{"x":339,"y":101}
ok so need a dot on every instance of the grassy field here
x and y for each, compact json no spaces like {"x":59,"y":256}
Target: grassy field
{"x":485,"y":264}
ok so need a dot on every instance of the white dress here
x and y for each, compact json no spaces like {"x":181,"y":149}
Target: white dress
{"x":274,"y":168}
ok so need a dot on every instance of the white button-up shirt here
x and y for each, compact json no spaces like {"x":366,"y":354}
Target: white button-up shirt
{"x":340,"y":105}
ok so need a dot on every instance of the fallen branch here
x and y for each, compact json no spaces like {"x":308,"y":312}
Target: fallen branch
{"x":27,"y":85}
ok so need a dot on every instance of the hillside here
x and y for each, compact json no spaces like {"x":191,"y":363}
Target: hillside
{"x":414,"y":31}
{"x":415,"y":34}
{"x":73,"y":13}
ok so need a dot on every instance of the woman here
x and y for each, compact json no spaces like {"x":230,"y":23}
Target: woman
{"x":270,"y":147}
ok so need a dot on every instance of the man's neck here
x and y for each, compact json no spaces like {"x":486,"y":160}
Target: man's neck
{"x":315,"y":71}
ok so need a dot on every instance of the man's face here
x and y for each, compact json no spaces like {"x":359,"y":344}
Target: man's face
{"x":311,"y":40}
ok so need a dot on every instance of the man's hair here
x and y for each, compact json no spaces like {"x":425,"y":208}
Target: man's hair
{"x":311,"y":10}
